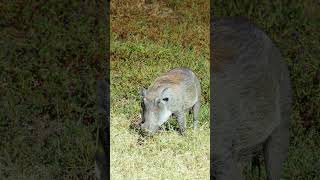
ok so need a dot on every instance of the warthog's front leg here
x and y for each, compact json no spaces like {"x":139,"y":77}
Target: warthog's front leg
{"x":181,"y":118}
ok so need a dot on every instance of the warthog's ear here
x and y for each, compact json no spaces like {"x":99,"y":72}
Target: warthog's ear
{"x":142,"y":92}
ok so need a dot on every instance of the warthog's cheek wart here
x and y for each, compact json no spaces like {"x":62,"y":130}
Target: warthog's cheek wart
{"x":164,"y":116}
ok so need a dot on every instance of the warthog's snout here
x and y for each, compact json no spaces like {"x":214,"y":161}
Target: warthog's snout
{"x":148,"y":129}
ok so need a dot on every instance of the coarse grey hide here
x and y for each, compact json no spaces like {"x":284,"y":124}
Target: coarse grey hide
{"x":172,"y":93}
{"x":251,"y":99}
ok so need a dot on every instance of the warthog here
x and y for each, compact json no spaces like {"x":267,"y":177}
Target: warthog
{"x":172,"y":93}
{"x":251,"y":99}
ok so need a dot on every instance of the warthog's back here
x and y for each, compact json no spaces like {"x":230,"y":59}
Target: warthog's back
{"x":252,"y":80}
{"x":184,"y":83}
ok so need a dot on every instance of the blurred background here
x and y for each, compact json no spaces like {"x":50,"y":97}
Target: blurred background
{"x":294,"y":28}
{"x":51,"y":54}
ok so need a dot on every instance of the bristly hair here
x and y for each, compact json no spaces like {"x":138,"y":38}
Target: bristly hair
{"x":228,"y":37}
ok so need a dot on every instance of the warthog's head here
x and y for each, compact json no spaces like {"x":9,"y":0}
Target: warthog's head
{"x":155,"y":109}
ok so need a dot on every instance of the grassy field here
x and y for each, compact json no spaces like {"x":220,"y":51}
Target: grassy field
{"x":294,"y":27}
{"x":51,"y":53}
{"x":147,"y":40}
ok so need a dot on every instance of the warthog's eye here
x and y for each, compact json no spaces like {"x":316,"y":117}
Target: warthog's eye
{"x":165,"y":99}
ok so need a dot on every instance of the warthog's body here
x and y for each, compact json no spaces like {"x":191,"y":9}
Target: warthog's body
{"x":174,"y":93}
{"x":251,"y":99}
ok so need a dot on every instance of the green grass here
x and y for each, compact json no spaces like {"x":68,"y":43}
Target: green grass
{"x":140,"y":53}
{"x":136,"y":65}
{"x":51,"y":54}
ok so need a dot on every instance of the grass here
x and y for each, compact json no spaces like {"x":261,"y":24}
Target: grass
{"x":166,"y":156}
{"x":51,"y":54}
{"x":293,"y":25}
{"x":143,"y":47}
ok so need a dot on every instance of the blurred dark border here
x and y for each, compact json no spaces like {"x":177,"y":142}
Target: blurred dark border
{"x":54,"y":55}
{"x":293,"y":28}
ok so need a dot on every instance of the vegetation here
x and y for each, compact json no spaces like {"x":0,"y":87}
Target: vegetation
{"x":147,"y":39}
{"x":51,"y":54}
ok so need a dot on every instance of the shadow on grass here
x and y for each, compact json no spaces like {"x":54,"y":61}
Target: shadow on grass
{"x":135,"y":127}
